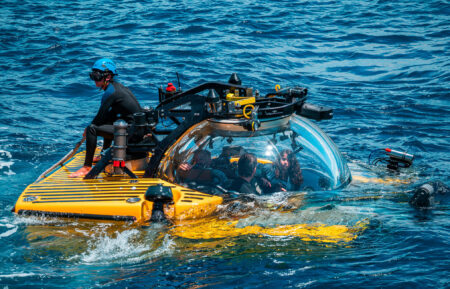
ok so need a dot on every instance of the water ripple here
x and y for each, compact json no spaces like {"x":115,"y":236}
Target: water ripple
{"x":383,"y":66}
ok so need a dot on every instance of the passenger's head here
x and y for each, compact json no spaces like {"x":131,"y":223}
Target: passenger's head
{"x":284,"y":159}
{"x":247,"y":165}
{"x":288,"y":165}
{"x":202,"y":158}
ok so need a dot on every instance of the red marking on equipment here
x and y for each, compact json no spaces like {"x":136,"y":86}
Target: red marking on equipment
{"x":118,"y":164}
{"x":388,"y":150}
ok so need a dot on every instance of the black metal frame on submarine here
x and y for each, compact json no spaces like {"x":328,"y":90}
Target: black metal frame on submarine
{"x":223,"y":101}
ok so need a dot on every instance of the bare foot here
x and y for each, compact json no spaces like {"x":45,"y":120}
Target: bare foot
{"x":81,"y":172}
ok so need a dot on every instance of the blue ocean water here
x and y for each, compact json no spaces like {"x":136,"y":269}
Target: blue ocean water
{"x":384,"y":67}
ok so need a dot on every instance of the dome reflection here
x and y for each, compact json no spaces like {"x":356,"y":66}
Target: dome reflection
{"x":207,"y":154}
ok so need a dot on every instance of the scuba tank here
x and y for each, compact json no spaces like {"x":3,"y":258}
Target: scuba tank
{"x":120,"y":146}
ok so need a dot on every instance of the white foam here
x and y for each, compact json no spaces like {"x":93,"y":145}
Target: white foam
{"x":106,"y":248}
{"x":83,"y":232}
{"x":6,"y":162}
{"x":5,"y":154}
{"x":305,"y":284}
{"x":16,"y":275}
{"x":166,"y":248}
{"x":8,"y":233}
{"x":36,"y":220}
{"x":292,"y":272}
{"x":9,"y":226}
{"x":130,"y":246}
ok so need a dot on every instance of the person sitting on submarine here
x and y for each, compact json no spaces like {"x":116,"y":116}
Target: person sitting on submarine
{"x":200,"y":171}
{"x":117,"y":102}
{"x":284,"y":174}
{"x":245,"y":183}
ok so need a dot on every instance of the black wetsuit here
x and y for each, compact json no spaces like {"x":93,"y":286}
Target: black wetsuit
{"x":117,"y":100}
{"x":242,"y":186}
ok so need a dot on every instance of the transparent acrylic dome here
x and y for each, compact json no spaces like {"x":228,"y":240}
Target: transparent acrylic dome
{"x":322,"y":165}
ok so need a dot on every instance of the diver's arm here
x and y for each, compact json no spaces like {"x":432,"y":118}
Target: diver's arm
{"x":265,"y":177}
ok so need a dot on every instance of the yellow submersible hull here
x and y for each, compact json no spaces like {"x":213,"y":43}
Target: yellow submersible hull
{"x":122,"y":198}
{"x":108,"y":198}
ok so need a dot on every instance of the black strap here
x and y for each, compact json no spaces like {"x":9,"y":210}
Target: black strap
{"x":101,"y":165}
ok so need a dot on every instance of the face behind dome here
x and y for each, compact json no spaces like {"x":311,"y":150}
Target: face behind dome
{"x":222,"y":143}
{"x":202,"y":157}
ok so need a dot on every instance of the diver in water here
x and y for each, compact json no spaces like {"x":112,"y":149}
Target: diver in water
{"x":245,"y":182}
{"x":428,"y":195}
{"x":284,"y":174}
{"x":117,"y":102}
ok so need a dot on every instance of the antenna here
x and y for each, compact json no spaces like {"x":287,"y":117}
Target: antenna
{"x":179,"y":84}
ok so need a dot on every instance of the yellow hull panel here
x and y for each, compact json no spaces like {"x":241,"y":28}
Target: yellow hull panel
{"x":111,"y":198}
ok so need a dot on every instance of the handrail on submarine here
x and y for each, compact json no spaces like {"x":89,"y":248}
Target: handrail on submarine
{"x":224,"y":100}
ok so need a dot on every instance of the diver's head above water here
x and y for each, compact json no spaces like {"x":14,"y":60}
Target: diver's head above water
{"x":103,"y":72}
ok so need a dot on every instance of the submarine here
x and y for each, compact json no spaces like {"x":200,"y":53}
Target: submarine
{"x":139,"y":179}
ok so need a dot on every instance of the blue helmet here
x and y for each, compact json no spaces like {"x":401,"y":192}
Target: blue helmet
{"x":105,"y":65}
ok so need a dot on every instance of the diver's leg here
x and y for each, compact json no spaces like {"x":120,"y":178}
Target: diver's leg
{"x":91,"y":144}
{"x":92,"y":131}
{"x":106,"y":131}
{"x":107,"y":143}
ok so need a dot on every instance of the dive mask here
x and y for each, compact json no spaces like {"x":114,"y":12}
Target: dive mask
{"x":97,"y":75}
